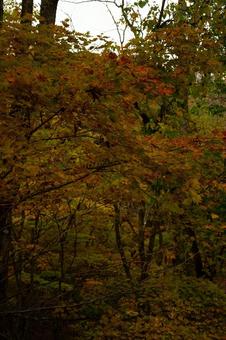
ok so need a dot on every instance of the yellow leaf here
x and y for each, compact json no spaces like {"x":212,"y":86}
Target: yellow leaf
{"x":214,"y":216}
{"x":196,"y":198}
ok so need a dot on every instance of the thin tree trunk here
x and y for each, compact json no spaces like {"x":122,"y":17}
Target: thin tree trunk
{"x":75,"y":241}
{"x":159,"y":259}
{"x":196,"y":253}
{"x":62,"y":239}
{"x":34,"y":241}
{"x":117,"y":226}
{"x":141,"y":245}
{"x":5,"y":242}
{"x":1,"y":12}
{"x":17,"y":265}
{"x":149,"y":252}
{"x":48,"y":11}
{"x":161,"y":15}
{"x":61,"y":260}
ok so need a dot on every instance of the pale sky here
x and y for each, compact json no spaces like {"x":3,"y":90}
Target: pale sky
{"x":90,"y":16}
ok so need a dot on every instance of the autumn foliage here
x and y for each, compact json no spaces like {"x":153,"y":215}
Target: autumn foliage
{"x":112,"y":182}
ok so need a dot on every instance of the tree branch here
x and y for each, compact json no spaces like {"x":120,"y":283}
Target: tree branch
{"x":52,"y":188}
{"x":161,"y":14}
{"x":44,"y":122}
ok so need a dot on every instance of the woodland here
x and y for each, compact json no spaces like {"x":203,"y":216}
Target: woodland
{"x":112,"y":174}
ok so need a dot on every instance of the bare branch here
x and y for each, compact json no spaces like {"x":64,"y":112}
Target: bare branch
{"x":44,"y":122}
{"x":161,"y":14}
{"x":53,"y":188}
{"x":121,"y":36}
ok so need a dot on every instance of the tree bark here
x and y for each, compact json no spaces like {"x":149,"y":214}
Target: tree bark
{"x":141,"y":245}
{"x":161,"y":15}
{"x":196,"y":253}
{"x":149,"y":252}
{"x":117,"y":225}
{"x":48,"y":11}
{"x":27,"y":11}
{"x":1,"y":12}
{"x":5,"y":242}
{"x":62,"y":239}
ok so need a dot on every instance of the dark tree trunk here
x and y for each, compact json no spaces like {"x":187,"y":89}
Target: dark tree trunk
{"x":117,"y":226}
{"x":196,"y":253}
{"x":159,"y":258}
{"x":5,"y":241}
{"x":1,"y":12}
{"x":62,"y":239}
{"x":145,"y":252}
{"x":149,"y":252}
{"x":35,"y":231}
{"x":27,"y":11}
{"x":141,"y":245}
{"x":48,"y":11}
